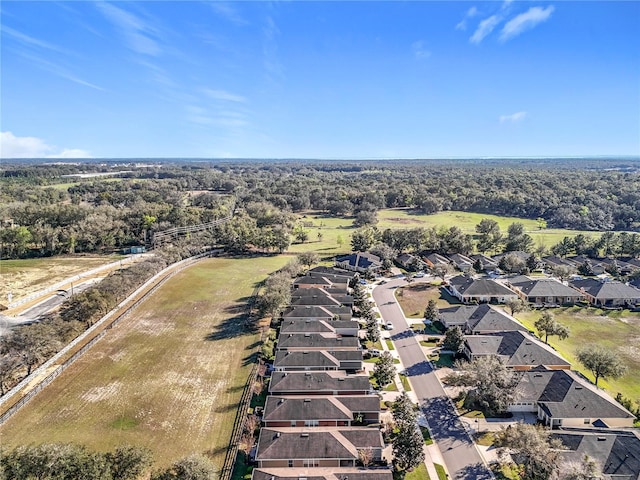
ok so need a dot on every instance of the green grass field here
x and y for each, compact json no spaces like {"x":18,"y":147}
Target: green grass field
{"x":615,"y":330}
{"x":168,"y":377}
{"x":406,"y":218}
{"x":332,"y":229}
{"x":26,"y":276}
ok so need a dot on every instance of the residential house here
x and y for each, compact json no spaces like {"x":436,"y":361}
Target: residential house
{"x":461,"y":262}
{"x":316,"y":447}
{"x":323,"y":411}
{"x":331,"y":273}
{"x":553,"y":261}
{"x":597,"y":267}
{"x":360,"y":262}
{"x":406,"y":260}
{"x":544,"y":292}
{"x":488,"y":264}
{"x":316,"y":341}
{"x":615,"y":452}
{"x":337,"y":285}
{"x":562,"y":399}
{"x":320,"y":297}
{"x":434,"y":259}
{"x":519,"y":350}
{"x":319,"y":383}
{"x":317,"y":312}
{"x":337,"y":327}
{"x":285,"y":473}
{"x":317,"y":360}
{"x":607,"y":294}
{"x":478,"y":319}
{"x":482,"y":290}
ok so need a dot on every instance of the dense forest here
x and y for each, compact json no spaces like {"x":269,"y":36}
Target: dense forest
{"x":46,"y":212}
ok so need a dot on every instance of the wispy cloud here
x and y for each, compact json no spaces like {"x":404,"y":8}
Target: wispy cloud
{"x":224,"y":95}
{"x":420,"y":50}
{"x":31,"y":41}
{"x":525,"y":21}
{"x":58,"y":69}
{"x":485,"y":27}
{"x":472,"y":12}
{"x":271,"y":61}
{"x":228,"y":12}
{"x":513,"y":118}
{"x":34,"y":147}
{"x":140,"y":36}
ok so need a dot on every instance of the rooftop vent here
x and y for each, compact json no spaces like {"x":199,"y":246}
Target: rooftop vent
{"x":602,"y":439}
{"x":307,"y":374}
{"x":307,"y":400}
{"x":304,"y":435}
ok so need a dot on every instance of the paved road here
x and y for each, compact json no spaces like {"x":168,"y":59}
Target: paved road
{"x":34,"y":313}
{"x":461,"y":456}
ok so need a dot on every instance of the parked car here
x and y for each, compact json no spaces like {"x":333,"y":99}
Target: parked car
{"x":389,"y":326}
{"x":419,"y":275}
{"x":374,"y":352}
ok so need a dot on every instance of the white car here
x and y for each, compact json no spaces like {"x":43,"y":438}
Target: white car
{"x":419,"y":275}
{"x":389,"y":326}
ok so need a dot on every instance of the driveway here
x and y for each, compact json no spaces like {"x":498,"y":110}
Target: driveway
{"x":462,"y":458}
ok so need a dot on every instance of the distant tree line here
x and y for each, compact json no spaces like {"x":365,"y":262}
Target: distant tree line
{"x":94,"y":215}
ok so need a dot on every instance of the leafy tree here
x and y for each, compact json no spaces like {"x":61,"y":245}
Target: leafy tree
{"x":517,"y":240}
{"x":453,"y":340}
{"x":490,"y":235}
{"x":385,"y":252}
{"x":373,"y":333}
{"x":516,"y":305}
{"x":512,"y":263}
{"x":194,"y":467}
{"x":365,"y":217}
{"x":603,"y":363}
{"x":308,"y":258}
{"x":432,"y":313}
{"x":128,"y":462}
{"x":477,"y":266}
{"x":563,"y":272}
{"x":587,"y":469}
{"x":363,"y":239}
{"x":300,"y":234}
{"x":365,"y":456}
{"x":565,"y":247}
{"x":492,"y":383}
{"x":531,"y":447}
{"x":442,"y":270}
{"x":408,"y":441}
{"x":586,"y":269}
{"x":547,"y":325}
{"x":384,"y":370}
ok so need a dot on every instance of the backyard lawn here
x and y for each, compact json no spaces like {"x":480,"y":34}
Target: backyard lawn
{"x":169,"y":377}
{"x":614,"y":330}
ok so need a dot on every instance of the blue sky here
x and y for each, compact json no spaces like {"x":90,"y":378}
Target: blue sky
{"x":302,"y":79}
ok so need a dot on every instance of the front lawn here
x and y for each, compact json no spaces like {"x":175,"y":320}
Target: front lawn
{"x":413,"y":299}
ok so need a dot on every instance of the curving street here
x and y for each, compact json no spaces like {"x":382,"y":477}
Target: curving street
{"x":463,"y":461}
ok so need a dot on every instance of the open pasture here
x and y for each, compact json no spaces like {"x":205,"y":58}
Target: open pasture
{"x":25,"y":276}
{"x":169,"y":377}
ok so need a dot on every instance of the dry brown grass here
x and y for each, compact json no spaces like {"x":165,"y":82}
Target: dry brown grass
{"x":414,"y":298}
{"x":169,"y":377}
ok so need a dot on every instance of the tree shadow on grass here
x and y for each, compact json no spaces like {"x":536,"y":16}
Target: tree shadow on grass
{"x":227,"y":408}
{"x":233,"y":327}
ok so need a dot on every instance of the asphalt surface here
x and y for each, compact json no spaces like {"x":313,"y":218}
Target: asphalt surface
{"x":34,"y":313}
{"x":462,"y":459}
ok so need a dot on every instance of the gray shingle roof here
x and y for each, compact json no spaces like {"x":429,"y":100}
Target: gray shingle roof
{"x":316,"y":311}
{"x":316,"y":326}
{"x":562,"y":394}
{"x":317,"y":442}
{"x":328,"y":271}
{"x":482,"y":287}
{"x":325,"y":407}
{"x":544,"y":287}
{"x":606,"y":290}
{"x":323,"y":341}
{"x":617,"y":452}
{"x":315,"y":358}
{"x":321,"y":473}
{"x":515,"y":347}
{"x":361,"y":260}
{"x":479,"y":318}
{"x":318,"y":382}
